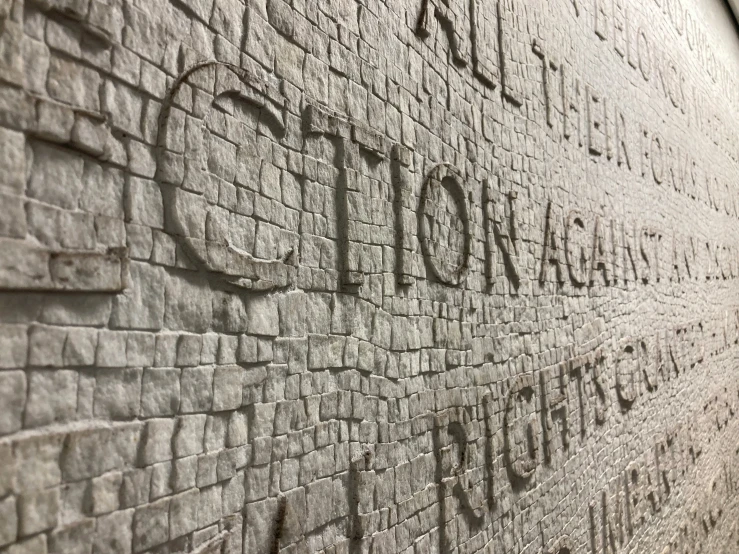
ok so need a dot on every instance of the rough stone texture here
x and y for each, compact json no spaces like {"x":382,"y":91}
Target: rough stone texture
{"x":363,"y":277}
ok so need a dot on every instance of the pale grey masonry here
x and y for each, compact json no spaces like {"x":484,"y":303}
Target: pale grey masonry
{"x":369,"y":277}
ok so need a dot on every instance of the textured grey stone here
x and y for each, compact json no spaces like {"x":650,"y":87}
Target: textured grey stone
{"x":233,"y":494}
{"x":142,"y":304}
{"x":52,"y":397}
{"x":210,"y":506}
{"x":140,"y":349}
{"x":46,"y":346}
{"x":14,"y":346}
{"x":73,"y":539}
{"x":188,"y":350}
{"x":144,"y":203}
{"x":117,"y":392}
{"x":156,"y":443}
{"x":136,"y":487}
{"x":161,"y":481}
{"x":227,"y":387}
{"x":160,"y":391}
{"x":76,"y":463}
{"x":14,"y":224}
{"x":74,"y":503}
{"x":113,"y":533}
{"x":52,"y":165}
{"x":39,"y":456}
{"x":337,"y":277}
{"x":183,"y":513}
{"x":8,"y":477}
{"x":187,"y":308}
{"x":196,"y":389}
{"x":13,"y":394}
{"x":184,"y":473}
{"x":105,"y":493}
{"x":189,"y":434}
{"x":38,"y":511}
{"x":262,"y":316}
{"x":111,"y":351}
{"x":35,"y":545}
{"x":151,"y":525}
{"x":13,"y":172}
{"x":8,"y":521}
{"x":80,"y":347}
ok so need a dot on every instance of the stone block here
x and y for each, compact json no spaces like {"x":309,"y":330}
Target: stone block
{"x":140,"y":349}
{"x":103,"y":188}
{"x":13,"y":170}
{"x":53,"y":165}
{"x":136,"y":487}
{"x":113,"y":533}
{"x":34,"y":545}
{"x":166,"y":350}
{"x":189,"y":435}
{"x":196,"y":387}
{"x":188,"y":350}
{"x":14,"y":223}
{"x":228,"y":383}
{"x":161,"y":481}
{"x":111,"y":351}
{"x":77,"y":310}
{"x":210,"y":506}
{"x":233,"y":495}
{"x":38,"y":511}
{"x":319,"y":496}
{"x":144,"y":203}
{"x":188,"y":306}
{"x":118,"y":392}
{"x":160,"y":392}
{"x":80,"y":347}
{"x":183,"y":513}
{"x":73,"y":539}
{"x":8,"y":521}
{"x":46,"y":346}
{"x":39,"y":456}
{"x":156,"y":443}
{"x":151,"y":525}
{"x":52,"y":397}
{"x":7,"y":477}
{"x":141,"y":306}
{"x":262,"y":316}
{"x":13,"y":346}
{"x":13,"y":397}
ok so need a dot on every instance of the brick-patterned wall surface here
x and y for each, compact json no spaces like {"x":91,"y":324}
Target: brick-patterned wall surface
{"x":369,"y":276}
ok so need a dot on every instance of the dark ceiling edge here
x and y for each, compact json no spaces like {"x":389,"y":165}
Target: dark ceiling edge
{"x":734,"y":6}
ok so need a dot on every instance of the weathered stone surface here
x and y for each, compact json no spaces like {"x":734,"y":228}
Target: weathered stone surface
{"x":13,"y":386}
{"x":346,"y":277}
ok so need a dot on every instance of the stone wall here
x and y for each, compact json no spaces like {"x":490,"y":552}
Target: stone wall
{"x":364,"y":276}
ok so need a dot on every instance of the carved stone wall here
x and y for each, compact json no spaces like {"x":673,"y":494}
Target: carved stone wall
{"x":369,"y":276}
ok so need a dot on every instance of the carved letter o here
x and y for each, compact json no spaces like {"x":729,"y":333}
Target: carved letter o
{"x":445,"y":213}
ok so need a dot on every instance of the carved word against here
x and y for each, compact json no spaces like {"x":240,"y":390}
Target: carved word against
{"x":595,"y":250}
